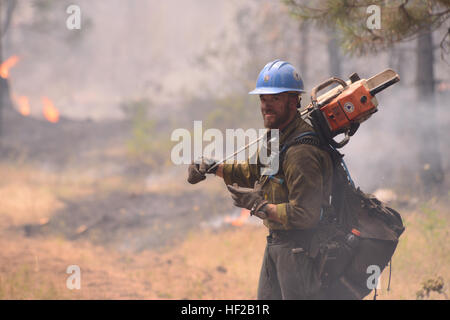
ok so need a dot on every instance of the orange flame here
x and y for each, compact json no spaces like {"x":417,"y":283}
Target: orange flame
{"x":50,"y":112}
{"x":23,"y":105}
{"x":6,"y":65}
{"x":238,"y":222}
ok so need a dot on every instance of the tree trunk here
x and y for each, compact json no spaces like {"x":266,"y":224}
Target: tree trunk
{"x":397,"y":60}
{"x":334,"y":56}
{"x":303,"y":63}
{"x":431,"y":172}
{"x":6,"y":12}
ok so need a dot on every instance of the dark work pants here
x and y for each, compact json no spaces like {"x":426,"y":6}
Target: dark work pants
{"x":287,"y":273}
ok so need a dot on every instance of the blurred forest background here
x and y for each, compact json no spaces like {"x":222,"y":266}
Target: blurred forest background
{"x":86,"y":118}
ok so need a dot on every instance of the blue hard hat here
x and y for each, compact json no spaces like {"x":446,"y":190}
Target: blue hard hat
{"x":276,"y":77}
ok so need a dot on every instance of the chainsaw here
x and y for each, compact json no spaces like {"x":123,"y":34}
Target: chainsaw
{"x":342,"y":109}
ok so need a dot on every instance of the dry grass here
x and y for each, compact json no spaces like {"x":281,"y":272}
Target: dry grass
{"x":423,"y":252}
{"x":197,"y":269}
{"x":206,"y":265}
{"x":23,"y":198}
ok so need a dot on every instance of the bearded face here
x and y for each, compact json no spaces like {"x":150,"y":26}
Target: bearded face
{"x":277,"y":109}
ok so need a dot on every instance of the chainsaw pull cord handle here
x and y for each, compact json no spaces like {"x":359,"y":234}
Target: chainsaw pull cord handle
{"x":321,"y":86}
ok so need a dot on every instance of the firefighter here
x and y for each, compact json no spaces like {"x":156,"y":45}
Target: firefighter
{"x":290,"y":202}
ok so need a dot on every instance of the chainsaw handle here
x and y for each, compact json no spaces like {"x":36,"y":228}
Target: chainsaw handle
{"x":342,"y":143}
{"x":323,"y":85}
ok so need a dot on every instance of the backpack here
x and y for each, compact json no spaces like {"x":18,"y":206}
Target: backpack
{"x":356,"y":237}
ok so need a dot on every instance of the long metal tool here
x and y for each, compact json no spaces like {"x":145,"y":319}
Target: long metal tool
{"x":239,"y":151}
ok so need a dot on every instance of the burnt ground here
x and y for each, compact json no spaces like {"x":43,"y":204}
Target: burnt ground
{"x":116,"y":218}
{"x":131,"y":222}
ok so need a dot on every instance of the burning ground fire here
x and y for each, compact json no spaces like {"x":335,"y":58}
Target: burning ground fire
{"x":6,"y":65}
{"x":50,"y":112}
{"x":239,"y":221}
{"x":22,"y":103}
{"x":235,"y":219}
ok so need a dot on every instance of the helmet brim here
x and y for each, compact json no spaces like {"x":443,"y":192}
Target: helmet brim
{"x":272,"y":90}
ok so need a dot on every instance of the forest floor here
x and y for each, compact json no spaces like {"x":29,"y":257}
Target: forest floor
{"x":69,"y":196}
{"x":209,"y":262}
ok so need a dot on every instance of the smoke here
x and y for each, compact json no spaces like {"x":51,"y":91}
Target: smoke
{"x":124,"y":50}
{"x":387,"y":148}
{"x":173,"y":51}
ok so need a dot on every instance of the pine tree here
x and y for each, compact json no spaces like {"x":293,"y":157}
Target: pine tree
{"x":399,"y":21}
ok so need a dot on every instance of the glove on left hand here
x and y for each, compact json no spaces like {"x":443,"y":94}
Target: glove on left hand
{"x":251,"y":199}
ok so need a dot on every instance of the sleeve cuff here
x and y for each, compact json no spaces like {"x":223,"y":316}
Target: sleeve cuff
{"x":282,"y":213}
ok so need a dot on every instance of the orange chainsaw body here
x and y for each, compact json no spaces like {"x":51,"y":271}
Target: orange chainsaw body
{"x":343,"y":108}
{"x":354,"y":104}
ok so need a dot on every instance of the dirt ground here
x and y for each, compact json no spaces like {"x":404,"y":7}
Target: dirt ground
{"x":151,"y":235}
{"x":205,"y":263}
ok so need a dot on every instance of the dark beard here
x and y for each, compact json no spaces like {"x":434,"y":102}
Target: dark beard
{"x":280,"y":118}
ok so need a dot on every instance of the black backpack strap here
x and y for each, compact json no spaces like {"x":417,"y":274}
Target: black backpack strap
{"x":308,"y":137}
{"x":312,"y":138}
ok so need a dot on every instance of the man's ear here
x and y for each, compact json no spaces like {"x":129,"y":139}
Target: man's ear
{"x":294,"y":101}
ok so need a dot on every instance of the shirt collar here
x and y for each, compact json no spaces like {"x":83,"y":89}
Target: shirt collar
{"x":290,"y":128}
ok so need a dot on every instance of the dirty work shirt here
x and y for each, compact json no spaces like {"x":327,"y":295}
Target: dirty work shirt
{"x":307,"y":173}
{"x":287,"y":271}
